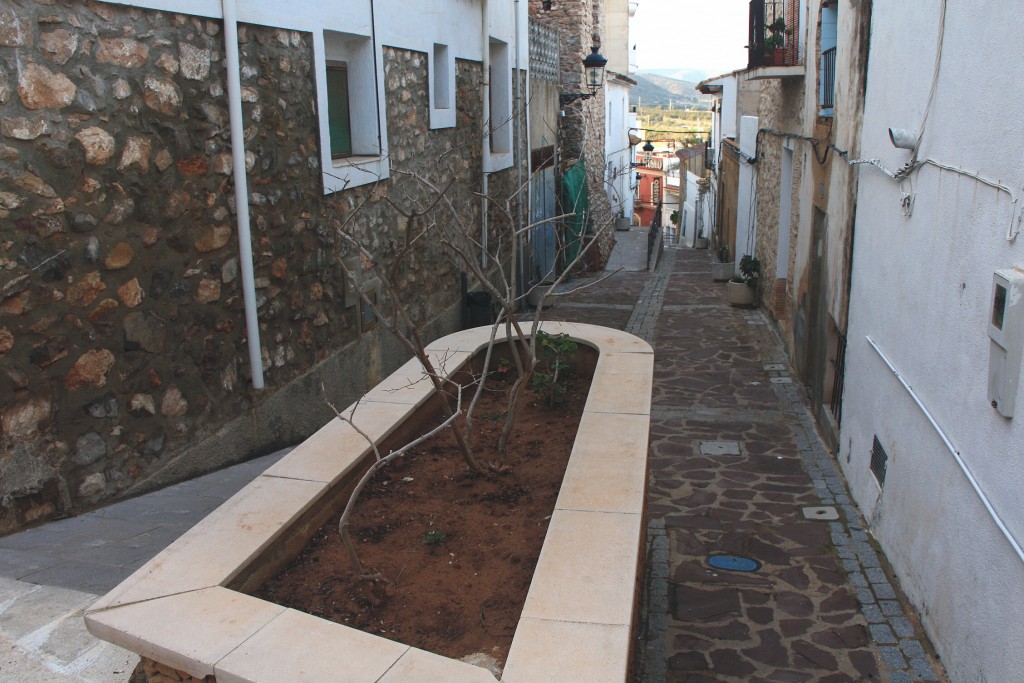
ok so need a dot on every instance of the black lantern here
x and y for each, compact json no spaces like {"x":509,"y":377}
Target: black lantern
{"x":594,"y":66}
{"x":648,"y":151}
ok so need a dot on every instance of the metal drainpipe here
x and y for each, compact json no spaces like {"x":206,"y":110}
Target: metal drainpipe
{"x":517,"y":158}
{"x":252,"y":325}
{"x":485,"y":47}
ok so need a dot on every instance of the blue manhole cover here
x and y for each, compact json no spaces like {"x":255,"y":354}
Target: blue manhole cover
{"x":734,"y":563}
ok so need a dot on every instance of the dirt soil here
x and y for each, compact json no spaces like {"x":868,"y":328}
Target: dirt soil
{"x":457,"y":549}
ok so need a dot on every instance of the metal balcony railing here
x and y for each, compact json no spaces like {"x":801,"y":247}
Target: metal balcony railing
{"x":773,"y":34}
{"x":826,"y":99}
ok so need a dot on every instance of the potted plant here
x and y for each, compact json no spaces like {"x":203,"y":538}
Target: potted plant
{"x":775,"y":44}
{"x":724,"y":267}
{"x":741,"y":290}
{"x":700,"y":241}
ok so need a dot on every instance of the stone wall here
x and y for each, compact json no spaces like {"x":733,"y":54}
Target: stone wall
{"x":122,"y":333}
{"x":580,"y":25}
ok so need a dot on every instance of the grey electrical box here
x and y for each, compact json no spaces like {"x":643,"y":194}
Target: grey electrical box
{"x":1006,"y":335}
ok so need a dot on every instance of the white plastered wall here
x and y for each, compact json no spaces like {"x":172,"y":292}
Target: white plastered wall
{"x":746,"y":220}
{"x":921,"y":290}
{"x":690,"y":212}
{"x":618,"y":153}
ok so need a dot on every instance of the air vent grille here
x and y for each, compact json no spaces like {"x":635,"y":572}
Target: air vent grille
{"x":879,"y":460}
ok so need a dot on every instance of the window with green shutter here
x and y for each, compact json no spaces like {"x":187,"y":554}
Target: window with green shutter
{"x":338,"y":110}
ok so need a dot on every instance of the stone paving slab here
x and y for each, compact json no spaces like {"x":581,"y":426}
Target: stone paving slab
{"x":43,"y":638}
{"x":50,"y":574}
{"x":630,"y":252}
{"x":96,"y":551}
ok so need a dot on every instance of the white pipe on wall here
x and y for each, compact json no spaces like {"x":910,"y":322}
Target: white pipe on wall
{"x":518,"y":157}
{"x":252,"y":325}
{"x":956,"y":454}
{"x":485,"y":58}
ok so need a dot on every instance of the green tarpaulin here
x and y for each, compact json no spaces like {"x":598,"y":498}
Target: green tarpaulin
{"x":575,"y":201}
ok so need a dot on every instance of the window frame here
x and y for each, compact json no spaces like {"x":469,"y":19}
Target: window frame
{"x":363,"y":56}
{"x":500,"y":137}
{"x":828,"y":38}
{"x":441,"y":78}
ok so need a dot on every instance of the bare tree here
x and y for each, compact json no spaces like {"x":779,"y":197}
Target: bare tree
{"x":432,"y":216}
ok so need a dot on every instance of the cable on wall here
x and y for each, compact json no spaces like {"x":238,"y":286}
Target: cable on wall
{"x":935,"y":80}
{"x":904,"y":173}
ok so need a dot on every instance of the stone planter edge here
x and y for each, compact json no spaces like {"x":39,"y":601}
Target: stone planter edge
{"x":577,"y":623}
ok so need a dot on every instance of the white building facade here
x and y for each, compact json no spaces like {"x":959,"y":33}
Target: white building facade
{"x":935,"y":466}
{"x":618,"y":152}
{"x":618,"y":49}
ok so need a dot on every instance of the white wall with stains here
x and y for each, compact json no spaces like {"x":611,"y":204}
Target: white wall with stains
{"x":921,"y":291}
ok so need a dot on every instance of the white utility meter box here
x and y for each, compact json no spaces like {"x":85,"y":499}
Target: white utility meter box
{"x":1006,"y":331}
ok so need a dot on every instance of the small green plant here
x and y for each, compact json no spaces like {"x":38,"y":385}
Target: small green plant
{"x":554,"y":351}
{"x":723,"y":253}
{"x":434,"y":537}
{"x":750,"y":271}
{"x":777,"y":39}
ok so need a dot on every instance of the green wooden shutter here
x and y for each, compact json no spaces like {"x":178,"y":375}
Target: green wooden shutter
{"x":337,"y":111}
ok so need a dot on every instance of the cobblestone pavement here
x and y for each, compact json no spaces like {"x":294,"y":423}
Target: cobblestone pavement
{"x":738,"y":468}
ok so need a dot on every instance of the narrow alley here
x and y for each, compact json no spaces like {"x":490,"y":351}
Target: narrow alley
{"x":736,"y":469}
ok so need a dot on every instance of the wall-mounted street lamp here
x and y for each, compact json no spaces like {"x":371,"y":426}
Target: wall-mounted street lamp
{"x":594,"y":65}
{"x":648,"y":151}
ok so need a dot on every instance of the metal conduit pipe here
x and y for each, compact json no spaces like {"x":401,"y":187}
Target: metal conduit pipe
{"x":485,"y":60}
{"x":252,"y":324}
{"x":518,"y":157}
{"x":956,"y":454}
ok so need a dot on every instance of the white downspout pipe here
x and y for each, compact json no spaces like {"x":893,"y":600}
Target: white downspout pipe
{"x":1000,"y":524}
{"x":517,"y":159}
{"x":485,"y":57}
{"x":252,"y":324}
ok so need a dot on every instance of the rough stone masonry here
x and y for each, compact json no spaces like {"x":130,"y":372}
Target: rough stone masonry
{"x":122,"y":336}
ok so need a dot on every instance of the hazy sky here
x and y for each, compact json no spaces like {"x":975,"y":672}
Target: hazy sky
{"x":691,"y":34}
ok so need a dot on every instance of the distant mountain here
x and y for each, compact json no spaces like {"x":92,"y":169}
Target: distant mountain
{"x":659,"y":91}
{"x":695,"y":75}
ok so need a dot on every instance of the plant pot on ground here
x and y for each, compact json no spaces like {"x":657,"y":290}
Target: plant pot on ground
{"x":538,"y":291}
{"x":724,"y":268}
{"x":741,"y":290}
{"x":700,"y":242}
{"x":775,"y":44}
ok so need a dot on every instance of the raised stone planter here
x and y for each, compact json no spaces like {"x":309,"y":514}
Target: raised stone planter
{"x":185,"y":609}
{"x":721,"y":272}
{"x":740,"y":293}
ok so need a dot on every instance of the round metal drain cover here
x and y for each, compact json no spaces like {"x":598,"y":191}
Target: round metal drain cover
{"x":734,"y":563}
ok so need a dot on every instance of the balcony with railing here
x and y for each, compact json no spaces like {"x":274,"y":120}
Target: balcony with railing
{"x":827,"y":92}
{"x":774,"y":39}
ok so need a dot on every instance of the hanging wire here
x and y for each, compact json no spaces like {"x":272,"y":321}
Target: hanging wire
{"x":904,"y":173}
